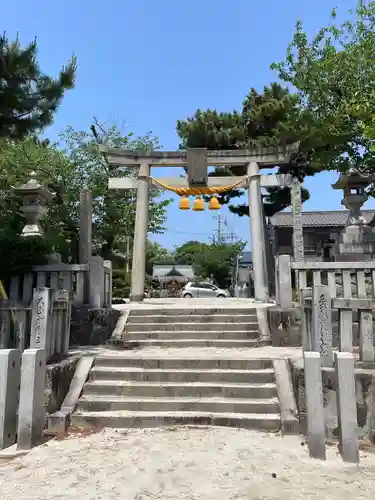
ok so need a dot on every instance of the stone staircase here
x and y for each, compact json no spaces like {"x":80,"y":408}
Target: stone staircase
{"x":224,"y":327}
{"x":139,"y":388}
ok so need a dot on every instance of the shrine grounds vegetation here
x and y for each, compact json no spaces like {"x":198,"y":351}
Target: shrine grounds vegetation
{"x":325,"y":99}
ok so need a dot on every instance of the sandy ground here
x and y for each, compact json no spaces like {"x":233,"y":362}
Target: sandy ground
{"x":183,"y":464}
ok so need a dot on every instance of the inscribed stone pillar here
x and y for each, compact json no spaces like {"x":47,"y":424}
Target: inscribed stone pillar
{"x":140,"y":235}
{"x":322,"y":324}
{"x":10,"y":374}
{"x":31,"y":407}
{"x":257,"y":232}
{"x":40,"y":318}
{"x":298,"y":246}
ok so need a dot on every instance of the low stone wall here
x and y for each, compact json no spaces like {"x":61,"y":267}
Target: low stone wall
{"x":365,"y":395}
{"x":58,"y":378}
{"x":284,"y":326}
{"x":92,"y":326}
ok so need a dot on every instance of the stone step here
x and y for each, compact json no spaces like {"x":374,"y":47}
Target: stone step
{"x":190,"y":334}
{"x":181,"y":363}
{"x":189,"y":326}
{"x":97,"y":403}
{"x":142,"y":419}
{"x":198,"y":342}
{"x":180,"y":389}
{"x":194,"y":318}
{"x":177,"y":375}
{"x":194,"y":311}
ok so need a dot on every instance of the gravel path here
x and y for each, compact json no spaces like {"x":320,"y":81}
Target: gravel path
{"x":183,"y":464}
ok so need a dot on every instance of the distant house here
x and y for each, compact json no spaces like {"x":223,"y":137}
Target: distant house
{"x":164,"y":274}
{"x":320,"y":232}
{"x":170,"y":279}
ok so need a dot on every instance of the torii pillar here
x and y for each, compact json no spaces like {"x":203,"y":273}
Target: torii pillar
{"x":140,"y":235}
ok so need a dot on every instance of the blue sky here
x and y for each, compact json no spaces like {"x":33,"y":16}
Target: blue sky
{"x":144,"y":64}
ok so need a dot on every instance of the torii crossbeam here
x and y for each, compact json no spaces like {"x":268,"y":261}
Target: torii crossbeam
{"x":197,"y":162}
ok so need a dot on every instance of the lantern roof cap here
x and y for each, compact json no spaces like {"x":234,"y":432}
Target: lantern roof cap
{"x":33,"y":186}
{"x":353,"y":178}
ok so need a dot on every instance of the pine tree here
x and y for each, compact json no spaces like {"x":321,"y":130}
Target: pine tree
{"x":274,"y":117}
{"x":28,"y":97}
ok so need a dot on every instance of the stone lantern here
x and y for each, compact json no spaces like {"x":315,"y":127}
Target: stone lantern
{"x":357,"y":240}
{"x":34,"y":196}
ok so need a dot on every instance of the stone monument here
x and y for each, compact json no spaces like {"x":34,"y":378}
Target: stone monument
{"x":357,"y":240}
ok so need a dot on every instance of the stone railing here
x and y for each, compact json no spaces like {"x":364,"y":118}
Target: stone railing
{"x":317,"y":306}
{"x":344,"y":279}
{"x":89,"y":284}
{"x":43,"y":323}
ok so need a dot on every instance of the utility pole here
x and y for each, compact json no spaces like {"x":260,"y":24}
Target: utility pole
{"x":220,"y":221}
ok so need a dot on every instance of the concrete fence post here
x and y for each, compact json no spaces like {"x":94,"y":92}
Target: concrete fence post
{"x":285,"y":282}
{"x":347,"y":407}
{"x":314,"y":405}
{"x":10,"y":375}
{"x":306,"y":318}
{"x":108,"y":283}
{"x":31,"y":406}
{"x":96,"y":282}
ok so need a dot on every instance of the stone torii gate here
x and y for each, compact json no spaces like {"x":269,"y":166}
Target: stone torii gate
{"x":197,"y":162}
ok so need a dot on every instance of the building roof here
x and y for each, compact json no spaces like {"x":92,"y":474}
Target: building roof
{"x":318,"y":218}
{"x":162,"y":271}
{"x":174,"y":272}
{"x":247,"y":258}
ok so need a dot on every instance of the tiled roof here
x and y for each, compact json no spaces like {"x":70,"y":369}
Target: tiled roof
{"x":318,"y":219}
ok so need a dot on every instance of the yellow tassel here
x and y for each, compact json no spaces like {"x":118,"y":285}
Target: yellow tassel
{"x":198,"y":204}
{"x":184,"y":203}
{"x":214,"y":204}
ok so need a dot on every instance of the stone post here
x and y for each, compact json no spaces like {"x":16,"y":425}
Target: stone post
{"x":314,"y":405}
{"x":322,"y":324}
{"x":257,"y":230}
{"x":347,"y":407}
{"x":284,"y":281}
{"x":85,"y":226}
{"x":31,"y":407}
{"x":140,"y":235}
{"x":298,"y":246}
{"x":96,"y":282}
{"x":40,"y":318}
{"x":10,"y":374}
{"x":85,"y":237}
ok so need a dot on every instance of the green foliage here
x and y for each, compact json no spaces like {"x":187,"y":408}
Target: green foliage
{"x":187,"y":253}
{"x":66,"y":173}
{"x":156,"y":254}
{"x":28,"y":97}
{"x":17,"y":253}
{"x":271,"y":118}
{"x":121,"y":283}
{"x":334,"y":75}
{"x":210,"y":260}
{"x":113,"y":211}
{"x":217,"y":261}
